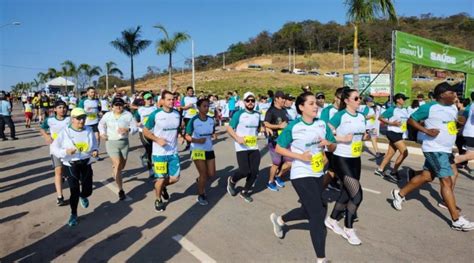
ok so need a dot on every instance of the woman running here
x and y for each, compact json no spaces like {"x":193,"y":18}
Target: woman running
{"x":307,"y":136}
{"x":114,"y":128}
{"x":75,"y":145}
{"x":350,"y":130}
{"x":141,"y":115}
{"x":199,"y":132}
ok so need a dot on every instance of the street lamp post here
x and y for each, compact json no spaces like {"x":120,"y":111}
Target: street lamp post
{"x":16,"y":23}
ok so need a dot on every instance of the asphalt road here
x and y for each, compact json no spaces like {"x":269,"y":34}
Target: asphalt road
{"x":34,"y":229}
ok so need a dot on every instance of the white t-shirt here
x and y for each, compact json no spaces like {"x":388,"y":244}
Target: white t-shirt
{"x":83,"y":141}
{"x":143,"y":113}
{"x":397,"y":114}
{"x":54,"y":126}
{"x":109,"y":125}
{"x":104,"y":105}
{"x":191,"y":112}
{"x":198,"y":129}
{"x":164,"y":125}
{"x":92,"y":108}
{"x":345,"y":124}
{"x":263,"y":108}
{"x":468,"y":130}
{"x":246,"y":124}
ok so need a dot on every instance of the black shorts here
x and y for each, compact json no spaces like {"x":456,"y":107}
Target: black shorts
{"x":95,"y":127}
{"x":469,"y":143}
{"x":394,"y":137}
{"x":330,"y":164}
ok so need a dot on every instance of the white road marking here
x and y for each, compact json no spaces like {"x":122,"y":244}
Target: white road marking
{"x":191,"y":248}
{"x":371,"y":191}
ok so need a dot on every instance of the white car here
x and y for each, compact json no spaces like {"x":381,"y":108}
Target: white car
{"x":298,"y":71}
{"x":332,"y":74}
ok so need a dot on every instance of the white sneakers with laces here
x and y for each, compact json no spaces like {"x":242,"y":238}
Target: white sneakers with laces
{"x":397,"y":199}
{"x":334,"y":226}
{"x":462,"y":224}
{"x":351,"y":236}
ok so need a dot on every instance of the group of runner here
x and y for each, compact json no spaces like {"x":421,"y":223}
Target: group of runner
{"x":319,"y":144}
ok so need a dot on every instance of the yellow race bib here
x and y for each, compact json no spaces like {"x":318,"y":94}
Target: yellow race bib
{"x":82,"y":146}
{"x":372,"y":120}
{"x":250,"y":141}
{"x":192,"y":111}
{"x":356,"y":148}
{"x":317,"y":163}
{"x":92,"y":116}
{"x":54,"y":135}
{"x":403,"y":127}
{"x":198,"y":155}
{"x":279,"y":132}
{"x":161,"y":167}
{"x":452,"y":129}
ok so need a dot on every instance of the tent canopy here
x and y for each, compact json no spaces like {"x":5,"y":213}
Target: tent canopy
{"x":60,"y":81}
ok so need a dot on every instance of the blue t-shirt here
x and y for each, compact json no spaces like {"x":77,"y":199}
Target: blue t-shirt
{"x":5,"y":108}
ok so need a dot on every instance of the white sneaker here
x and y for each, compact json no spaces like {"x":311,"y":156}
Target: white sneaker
{"x":397,"y":199}
{"x":351,"y":236}
{"x":462,"y":224}
{"x":277,"y":228}
{"x":334,"y":226}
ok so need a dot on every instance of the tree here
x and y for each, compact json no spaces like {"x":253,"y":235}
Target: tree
{"x":70,"y":69}
{"x":168,"y":46}
{"x":89,"y":72}
{"x":131,"y":45}
{"x":110,"y":69}
{"x":364,"y":11}
{"x":52,"y":73}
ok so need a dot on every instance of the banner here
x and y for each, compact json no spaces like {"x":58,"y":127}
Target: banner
{"x":380,"y":87}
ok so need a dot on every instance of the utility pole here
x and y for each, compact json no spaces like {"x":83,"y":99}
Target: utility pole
{"x":192,"y":52}
{"x":289,"y":59}
{"x":344,"y":58}
{"x":370,"y":61}
{"x":223,"y":60}
{"x":294,"y":58}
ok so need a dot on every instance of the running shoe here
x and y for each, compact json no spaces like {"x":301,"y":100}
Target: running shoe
{"x":277,"y":228}
{"x":462,"y":224}
{"x":165,"y":194}
{"x":246,"y":196}
{"x":202,"y":200}
{"x":379,"y":173}
{"x":84,"y":202}
{"x":392,"y":177}
{"x":72,"y":220}
{"x":279,"y":182}
{"x":272,"y":186}
{"x":14,"y":138}
{"x":121,"y":195}
{"x":397,"y":199}
{"x":159,"y":205}
{"x":334,"y":185}
{"x":231,"y":187}
{"x":351,"y":236}
{"x":334,"y":226}
{"x":60,"y":201}
{"x":144,"y":160}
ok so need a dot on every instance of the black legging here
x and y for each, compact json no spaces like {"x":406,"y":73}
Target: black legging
{"x":148,"y":144}
{"x":249,"y":162}
{"x":79,"y":172}
{"x":8,"y":121}
{"x":313,"y":208}
{"x":348,"y":171}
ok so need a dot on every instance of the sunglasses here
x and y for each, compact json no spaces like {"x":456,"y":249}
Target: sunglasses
{"x":250,"y":100}
{"x":320,"y":97}
{"x":356,"y":98}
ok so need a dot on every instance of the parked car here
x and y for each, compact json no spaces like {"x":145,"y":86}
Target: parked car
{"x":254,"y":67}
{"x":298,"y":71}
{"x":314,"y":72}
{"x":332,"y":74}
{"x":270,"y":69}
{"x":422,"y":78}
{"x":285,"y":70}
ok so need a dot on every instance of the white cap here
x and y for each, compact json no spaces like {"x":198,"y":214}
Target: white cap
{"x":248,"y":94}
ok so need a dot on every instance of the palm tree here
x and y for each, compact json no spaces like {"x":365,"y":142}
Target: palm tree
{"x":363,"y":11}
{"x":110,"y":69}
{"x":70,"y":69}
{"x":42,"y":77}
{"x":52,"y":73}
{"x":168,"y":46}
{"x":131,"y":45}
{"x":89,"y":71}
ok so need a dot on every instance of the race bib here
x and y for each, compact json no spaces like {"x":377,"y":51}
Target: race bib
{"x":92,"y":116}
{"x":198,"y":155}
{"x":145,"y":119}
{"x":161,"y":167}
{"x":279,"y":132}
{"x":317,"y":163}
{"x":250,"y":141}
{"x":82,"y":146}
{"x":356,"y":148}
{"x":452,"y":129}
{"x":45,"y":104}
{"x":192,"y":111}
{"x":403,"y":127}
{"x":54,"y":135}
{"x":372,"y":120}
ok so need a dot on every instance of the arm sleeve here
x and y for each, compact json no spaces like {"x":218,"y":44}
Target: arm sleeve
{"x":268,"y":115}
{"x":102,"y":124}
{"x":285,"y":138}
{"x":133,"y":125}
{"x":235,"y":120}
{"x":335,"y":121}
{"x":44,"y":125}
{"x":136,"y":115}
{"x":190,"y":126}
{"x":422,"y":113}
{"x":388,"y":113}
{"x":365,"y":112}
{"x":150,"y":123}
{"x":329,"y":136}
{"x":56,"y":148}
{"x":466,"y":111}
{"x":81,"y":103}
{"x":325,"y":114}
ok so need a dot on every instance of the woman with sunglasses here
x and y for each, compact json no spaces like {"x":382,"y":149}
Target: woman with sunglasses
{"x":350,"y":128}
{"x":307,"y":137}
{"x":141,"y":116}
{"x":114,"y":128}
{"x":75,"y":146}
{"x":200,"y":132}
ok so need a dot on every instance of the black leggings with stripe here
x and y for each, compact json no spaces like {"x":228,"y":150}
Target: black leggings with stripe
{"x":79,"y":174}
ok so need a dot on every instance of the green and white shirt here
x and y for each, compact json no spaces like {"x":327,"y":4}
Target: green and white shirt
{"x":246,"y":125}
{"x":109,"y":125}
{"x":191,"y":112}
{"x":54,"y":126}
{"x":198,"y":129}
{"x":83,"y":141}
{"x":302,"y":137}
{"x":442,"y":118}
{"x":345,"y":124}
{"x":141,"y":115}
{"x":395,"y":113}
{"x":468,"y":130}
{"x":92,"y":109}
{"x":164,"y":125}
{"x":328,"y":112}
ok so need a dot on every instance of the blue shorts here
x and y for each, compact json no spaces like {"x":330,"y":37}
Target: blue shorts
{"x":438,"y":163}
{"x":166,"y":165}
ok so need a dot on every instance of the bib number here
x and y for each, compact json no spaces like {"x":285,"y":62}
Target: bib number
{"x":45,"y":104}
{"x":317,"y":163}
{"x":250,"y":141}
{"x":82,"y":146}
{"x":54,"y":135}
{"x":403,"y":127}
{"x":356,"y":148}
{"x":92,"y":116}
{"x":198,"y":155}
{"x":452,"y":130}
{"x":192,"y":111}
{"x":161,"y":167}
{"x":372,"y":120}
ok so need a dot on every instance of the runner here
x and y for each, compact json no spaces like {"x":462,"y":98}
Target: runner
{"x":440,"y":134}
{"x":244,"y":128}
{"x":350,"y":132}
{"x":162,"y":128}
{"x":468,"y":134}
{"x":141,"y":115}
{"x":44,"y":106}
{"x":76,"y":145}
{"x":104,"y":104}
{"x":114,"y":128}
{"x":55,"y":125}
{"x":200,"y":132}
{"x":307,"y":137}
{"x":28,"y":108}
{"x":321,"y":102}
{"x":372,"y":114}
{"x":290,"y":107}
{"x":395,"y":118}
{"x":91,"y":106}
{"x":276,"y":120}
{"x":188,"y":105}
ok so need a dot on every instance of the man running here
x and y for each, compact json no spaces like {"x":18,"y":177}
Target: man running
{"x":91,"y":106}
{"x":440,"y":134}
{"x":141,"y":116}
{"x":188,"y":105}
{"x":162,"y":128}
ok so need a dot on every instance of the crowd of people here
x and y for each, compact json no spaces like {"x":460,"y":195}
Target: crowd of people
{"x":316,"y":143}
